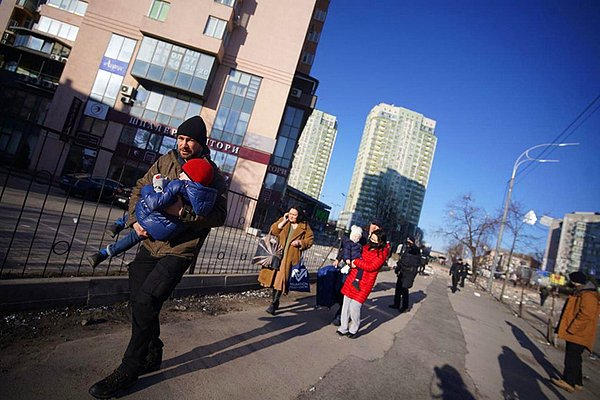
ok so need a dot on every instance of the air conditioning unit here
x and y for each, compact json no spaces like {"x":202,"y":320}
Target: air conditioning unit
{"x":127,"y":90}
{"x":296,"y":93}
{"x":127,"y":100}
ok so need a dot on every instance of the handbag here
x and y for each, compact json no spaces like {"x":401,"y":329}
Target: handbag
{"x":299,"y":280}
{"x":268,"y":253}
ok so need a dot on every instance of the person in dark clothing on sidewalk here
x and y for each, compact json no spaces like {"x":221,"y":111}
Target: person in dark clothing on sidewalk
{"x":464,"y":272}
{"x":159,"y":265}
{"x":577,"y":326}
{"x":406,"y":270}
{"x":455,"y":273}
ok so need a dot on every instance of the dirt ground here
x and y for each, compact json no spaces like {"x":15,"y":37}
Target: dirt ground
{"x":31,"y":334}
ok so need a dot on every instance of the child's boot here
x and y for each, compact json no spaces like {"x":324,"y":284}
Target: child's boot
{"x":95,"y":259}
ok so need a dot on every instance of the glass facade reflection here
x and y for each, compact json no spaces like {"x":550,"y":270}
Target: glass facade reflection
{"x":173,"y":65}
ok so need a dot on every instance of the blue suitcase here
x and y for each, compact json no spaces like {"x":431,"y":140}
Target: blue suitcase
{"x":328,"y":286}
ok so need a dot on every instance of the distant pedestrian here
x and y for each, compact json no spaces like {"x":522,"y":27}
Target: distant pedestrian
{"x":425,"y":253}
{"x":374,"y":255}
{"x":295,"y":236}
{"x":577,"y":326}
{"x":464,"y":272}
{"x":514,"y":279}
{"x":455,"y":272}
{"x":544,"y":293}
{"x":406,"y":271}
{"x":160,"y":264}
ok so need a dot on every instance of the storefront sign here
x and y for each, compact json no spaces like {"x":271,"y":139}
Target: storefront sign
{"x":223,"y":146}
{"x":96,"y":110}
{"x":217,"y":145}
{"x":114,"y":66}
{"x":274,"y":169}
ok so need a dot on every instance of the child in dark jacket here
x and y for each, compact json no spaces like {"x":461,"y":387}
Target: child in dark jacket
{"x":192,"y":186}
{"x":351,"y":250}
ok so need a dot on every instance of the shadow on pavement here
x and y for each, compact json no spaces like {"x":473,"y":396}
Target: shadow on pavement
{"x":298,"y":315}
{"x":519,"y":380}
{"x":451,"y":384}
{"x":539,"y":356}
{"x":379,"y":312}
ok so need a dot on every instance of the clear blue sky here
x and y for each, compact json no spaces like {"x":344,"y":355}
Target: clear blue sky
{"x":498,"y":76}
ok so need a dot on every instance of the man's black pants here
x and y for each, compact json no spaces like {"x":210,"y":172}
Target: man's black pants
{"x":455,"y":278}
{"x":151,"y":282}
{"x":400,"y":295}
{"x":572,"y":373}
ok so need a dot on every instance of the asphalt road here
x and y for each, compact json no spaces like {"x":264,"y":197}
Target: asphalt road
{"x":449,"y":346}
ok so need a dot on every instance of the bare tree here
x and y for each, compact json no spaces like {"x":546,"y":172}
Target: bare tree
{"x":469,"y":225}
{"x":514,"y":223}
{"x":455,"y":250}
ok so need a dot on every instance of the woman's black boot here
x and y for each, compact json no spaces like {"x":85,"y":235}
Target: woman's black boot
{"x":275,"y":303}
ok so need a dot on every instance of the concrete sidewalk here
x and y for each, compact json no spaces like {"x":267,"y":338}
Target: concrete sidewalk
{"x":451,"y":346}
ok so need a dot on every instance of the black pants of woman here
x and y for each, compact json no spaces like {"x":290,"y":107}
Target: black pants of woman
{"x":400,"y":296}
{"x":572,"y":373}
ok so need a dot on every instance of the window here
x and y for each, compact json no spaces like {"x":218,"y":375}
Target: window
{"x":215,"y":27}
{"x":57,"y":28}
{"x":307,"y":58}
{"x":226,"y":162}
{"x":159,"y":10}
{"x":72,"y":6}
{"x":173,"y":65}
{"x":108,"y":81}
{"x":146,"y":140}
{"x":320,"y":15}
{"x":313,"y":36}
{"x":226,"y":2}
{"x":164,"y":106}
{"x":236,"y":107}
{"x":287,"y":136}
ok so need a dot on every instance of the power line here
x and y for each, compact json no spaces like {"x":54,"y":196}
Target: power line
{"x":561,"y":137}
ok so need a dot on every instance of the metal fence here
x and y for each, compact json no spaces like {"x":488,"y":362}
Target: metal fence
{"x":47,"y":232}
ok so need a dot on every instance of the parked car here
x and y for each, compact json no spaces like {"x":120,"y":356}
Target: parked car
{"x":122,"y":196}
{"x":94,"y":188}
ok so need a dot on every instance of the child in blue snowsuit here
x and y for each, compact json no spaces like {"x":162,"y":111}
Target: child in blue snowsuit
{"x":192,"y":187}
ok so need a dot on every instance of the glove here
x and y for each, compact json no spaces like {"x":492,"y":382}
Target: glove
{"x":345,"y":269}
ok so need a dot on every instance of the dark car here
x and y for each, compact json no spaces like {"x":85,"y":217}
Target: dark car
{"x":122,"y":196}
{"x":93,"y":188}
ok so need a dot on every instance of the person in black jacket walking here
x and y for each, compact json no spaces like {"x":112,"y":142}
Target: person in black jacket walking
{"x":456,"y":270}
{"x":406,"y":270}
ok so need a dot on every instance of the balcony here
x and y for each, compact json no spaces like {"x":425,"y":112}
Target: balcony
{"x":27,"y":5}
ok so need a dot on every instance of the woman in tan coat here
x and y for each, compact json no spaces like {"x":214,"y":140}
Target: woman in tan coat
{"x":577,"y":326}
{"x":295,"y":236}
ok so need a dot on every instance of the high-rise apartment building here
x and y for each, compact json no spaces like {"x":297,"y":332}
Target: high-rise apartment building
{"x":100,"y":86}
{"x":392,"y":170}
{"x":578,"y":246}
{"x":312,"y":156}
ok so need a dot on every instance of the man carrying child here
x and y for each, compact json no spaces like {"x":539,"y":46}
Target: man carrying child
{"x":160,"y":264}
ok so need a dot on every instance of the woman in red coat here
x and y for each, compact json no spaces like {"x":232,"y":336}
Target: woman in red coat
{"x":374,"y":254}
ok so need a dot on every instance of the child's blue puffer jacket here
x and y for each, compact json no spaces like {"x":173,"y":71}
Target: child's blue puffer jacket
{"x":162,"y":226}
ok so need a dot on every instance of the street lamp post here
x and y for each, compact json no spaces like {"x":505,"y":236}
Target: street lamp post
{"x":523,"y":158}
